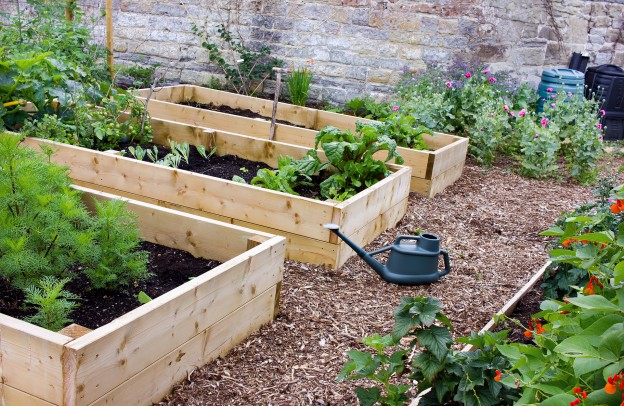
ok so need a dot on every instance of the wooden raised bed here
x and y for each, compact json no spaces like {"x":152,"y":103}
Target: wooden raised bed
{"x":137,"y":358}
{"x":362,"y":217}
{"x":432,"y":171}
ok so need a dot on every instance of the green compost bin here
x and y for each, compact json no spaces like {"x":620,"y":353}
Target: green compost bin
{"x":559,"y":80}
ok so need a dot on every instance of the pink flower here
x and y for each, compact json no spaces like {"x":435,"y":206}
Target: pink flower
{"x":543,"y":100}
{"x":492,"y":79}
{"x":491,"y":114}
{"x":485,"y":71}
{"x":569,"y":94}
{"x":552,"y":105}
{"x":395,"y":108}
{"x":553,"y":96}
{"x":506,"y":108}
{"x":599,"y":126}
{"x":600,"y":137}
{"x":449,"y":84}
{"x":468,"y":75}
{"x":536,"y":136}
{"x":602,"y":112}
{"x":549,"y":90}
{"x":544,"y":122}
{"x":521,"y":113}
{"x":511,"y":113}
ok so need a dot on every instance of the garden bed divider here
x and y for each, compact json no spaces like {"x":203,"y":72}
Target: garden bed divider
{"x":137,"y":358}
{"x":432,"y":171}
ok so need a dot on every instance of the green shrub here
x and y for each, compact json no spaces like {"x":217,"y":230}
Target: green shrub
{"x":46,"y":230}
{"x":52,"y":303}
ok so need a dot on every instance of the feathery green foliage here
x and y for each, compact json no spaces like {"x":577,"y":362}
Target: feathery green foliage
{"x":52,"y":302}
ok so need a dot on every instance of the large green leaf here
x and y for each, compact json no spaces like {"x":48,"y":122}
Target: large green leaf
{"x":603,"y":236}
{"x":594,"y":302}
{"x":618,"y":272}
{"x":563,"y":399}
{"x":436,"y":339}
{"x":429,"y":365}
{"x":368,"y":396}
{"x":584,"y":365}
{"x":576,"y":346}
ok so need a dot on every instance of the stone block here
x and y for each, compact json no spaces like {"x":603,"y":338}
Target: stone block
{"x":164,"y":9}
{"x":379,"y":76}
{"x":195,"y":77}
{"x":436,"y":55}
{"x":360,"y":16}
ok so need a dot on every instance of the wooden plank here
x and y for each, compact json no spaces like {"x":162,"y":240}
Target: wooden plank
{"x":511,"y":304}
{"x":244,"y":202}
{"x":367,"y":205}
{"x":365,"y":235}
{"x":449,"y":156}
{"x":74,"y":330}
{"x":440,"y":140}
{"x":297,"y":115}
{"x":197,"y":235}
{"x":29,"y":354}
{"x":342,"y":121}
{"x":10,"y":396}
{"x":420,"y":185}
{"x":298,"y":248}
{"x":443,"y":180}
{"x":114,"y":353}
{"x":156,"y":380}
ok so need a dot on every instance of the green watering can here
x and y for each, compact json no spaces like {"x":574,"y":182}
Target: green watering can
{"x":409,"y":263}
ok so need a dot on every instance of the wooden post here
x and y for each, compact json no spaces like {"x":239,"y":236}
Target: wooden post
{"x":69,"y":10}
{"x":278,"y":88}
{"x":109,"y":35}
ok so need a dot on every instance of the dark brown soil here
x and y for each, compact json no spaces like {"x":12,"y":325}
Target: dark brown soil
{"x":525,"y":309}
{"x":228,"y":166}
{"x":239,"y":112}
{"x":171,"y":268}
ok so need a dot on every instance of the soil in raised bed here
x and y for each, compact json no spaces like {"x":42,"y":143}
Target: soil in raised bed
{"x":523,"y":312}
{"x":170,"y":268}
{"x":227,"y":166}
{"x":238,"y":112}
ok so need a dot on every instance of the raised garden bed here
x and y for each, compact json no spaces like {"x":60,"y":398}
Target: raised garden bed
{"x":362,"y":217}
{"x":138,"y":357}
{"x":432,"y":171}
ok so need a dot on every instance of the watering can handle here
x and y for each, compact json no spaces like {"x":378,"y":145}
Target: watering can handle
{"x":447,"y":263}
{"x":406,"y":237}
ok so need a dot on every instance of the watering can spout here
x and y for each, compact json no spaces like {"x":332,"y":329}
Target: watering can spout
{"x":408,"y":263}
{"x":372,"y":262}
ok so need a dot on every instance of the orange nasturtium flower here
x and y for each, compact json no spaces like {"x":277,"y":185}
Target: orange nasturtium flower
{"x":617,"y":207}
{"x":528,"y":333}
{"x":498,"y":376}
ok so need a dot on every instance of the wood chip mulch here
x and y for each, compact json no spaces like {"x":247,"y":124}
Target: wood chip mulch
{"x":489,"y":221}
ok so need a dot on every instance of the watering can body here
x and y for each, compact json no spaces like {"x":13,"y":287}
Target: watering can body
{"x":413,"y":259}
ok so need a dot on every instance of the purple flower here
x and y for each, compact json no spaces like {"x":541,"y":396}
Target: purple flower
{"x":468,"y":75}
{"x":395,"y":108}
{"x":602,"y":112}
{"x":492,"y":79}
{"x":544,"y":122}
{"x":521,"y":113}
{"x":543,"y":100}
{"x":549,"y":90}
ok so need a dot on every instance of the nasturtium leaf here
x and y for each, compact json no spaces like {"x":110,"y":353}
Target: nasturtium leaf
{"x":594,"y":302}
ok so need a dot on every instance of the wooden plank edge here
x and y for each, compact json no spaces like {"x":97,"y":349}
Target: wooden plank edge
{"x":201,"y":349}
{"x":511,"y":304}
{"x":11,"y":396}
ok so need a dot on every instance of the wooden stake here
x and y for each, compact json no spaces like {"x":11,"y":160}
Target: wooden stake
{"x":278,"y":88}
{"x":69,"y":10}
{"x":109,"y":35}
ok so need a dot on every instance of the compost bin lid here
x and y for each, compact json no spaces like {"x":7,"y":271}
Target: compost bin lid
{"x":569,"y":75}
{"x":611,"y":70}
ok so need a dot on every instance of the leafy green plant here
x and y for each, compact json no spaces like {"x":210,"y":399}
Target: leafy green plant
{"x":290,"y":175}
{"x":52,"y":303}
{"x":351,"y":164}
{"x":251,"y":65}
{"x":539,"y":146}
{"x":202,"y":151}
{"x":367,"y":107}
{"x":46,"y":230}
{"x":404,"y":130}
{"x":488,"y":132}
{"x":442,"y":374}
{"x":298,"y":85}
{"x":137,"y":76}
{"x":120,"y":262}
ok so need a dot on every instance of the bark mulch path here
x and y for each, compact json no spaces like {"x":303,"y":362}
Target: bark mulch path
{"x":489,"y":221}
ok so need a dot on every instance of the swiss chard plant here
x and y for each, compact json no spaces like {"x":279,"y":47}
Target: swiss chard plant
{"x":351,"y":164}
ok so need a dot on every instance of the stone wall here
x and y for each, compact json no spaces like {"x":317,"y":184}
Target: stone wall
{"x":364,"y":46}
